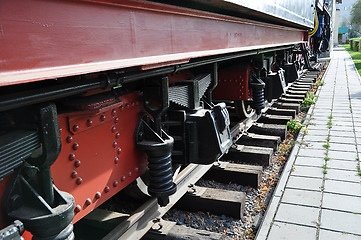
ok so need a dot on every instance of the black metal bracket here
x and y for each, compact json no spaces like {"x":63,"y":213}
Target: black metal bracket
{"x":31,"y":196}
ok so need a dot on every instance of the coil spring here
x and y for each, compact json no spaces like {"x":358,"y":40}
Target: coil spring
{"x":258,"y":97}
{"x":161,"y":178}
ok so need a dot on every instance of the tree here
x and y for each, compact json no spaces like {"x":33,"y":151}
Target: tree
{"x":356,"y":16}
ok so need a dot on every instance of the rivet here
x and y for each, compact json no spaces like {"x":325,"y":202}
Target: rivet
{"x":98,"y":195}
{"x":136,"y":169}
{"x":102,"y":117}
{"x":75,"y":127}
{"x":117,"y":135}
{"x":74,"y":174}
{"x":129,"y":173}
{"x":88,"y":201}
{"x":71,"y":156}
{"x":133,"y":104}
{"x":114,"y":111}
{"x":79,"y":180}
{"x":116,"y":120}
{"x":77,"y":209}
{"x":76,"y":146}
{"x":89,"y":122}
{"x":106,"y":189}
{"x":116,"y":160}
{"x":69,"y":139}
{"x":115,"y":183}
{"x":122,"y":178}
{"x":115,"y":144}
{"x":127,"y":105}
{"x":77,"y":163}
{"x":119,"y":150}
{"x":114,"y":129}
{"x":60,"y":130}
{"x":121,"y":108}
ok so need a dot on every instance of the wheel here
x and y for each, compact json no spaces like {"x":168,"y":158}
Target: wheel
{"x":244,"y":109}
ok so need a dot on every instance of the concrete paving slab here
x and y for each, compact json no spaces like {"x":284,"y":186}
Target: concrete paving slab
{"x":302,"y":197}
{"x":340,"y":187}
{"x":286,"y":231}
{"x":289,"y":213}
{"x":340,"y":221}
{"x":340,"y":164}
{"x":310,"y":161}
{"x":311,"y":152}
{"x":350,"y":147}
{"x":305,"y":183}
{"x":342,"y":175}
{"x":336,"y":139}
{"x":331,"y":235}
{"x":342,"y":155}
{"x":341,"y":202}
{"x":306,"y":171}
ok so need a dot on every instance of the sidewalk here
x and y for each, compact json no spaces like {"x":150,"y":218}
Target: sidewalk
{"x":319,"y":193}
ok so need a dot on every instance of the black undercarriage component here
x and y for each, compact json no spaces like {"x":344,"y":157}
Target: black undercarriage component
{"x":201,"y":136}
{"x":291,"y":72}
{"x":31,"y":196}
{"x":258,"y":89}
{"x":15,"y":147}
{"x":150,"y":138}
{"x":189,"y":92}
{"x":159,"y":150}
{"x":275,"y":85}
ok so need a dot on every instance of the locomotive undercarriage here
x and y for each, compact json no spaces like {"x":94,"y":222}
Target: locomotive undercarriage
{"x":155,"y":119}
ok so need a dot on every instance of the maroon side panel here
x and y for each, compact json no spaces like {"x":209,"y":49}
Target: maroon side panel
{"x":54,"y":38}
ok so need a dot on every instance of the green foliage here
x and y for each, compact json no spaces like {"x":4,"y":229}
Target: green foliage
{"x":327,"y":158}
{"x":294,"y":126}
{"x":358,"y":66}
{"x":356,"y":15}
{"x":309,"y":100}
{"x":354,"y":54}
{"x":327,"y":146}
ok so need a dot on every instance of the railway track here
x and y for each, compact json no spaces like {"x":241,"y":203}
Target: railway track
{"x":254,"y":142}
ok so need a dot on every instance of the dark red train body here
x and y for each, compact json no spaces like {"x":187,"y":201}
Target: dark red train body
{"x":95,"y":94}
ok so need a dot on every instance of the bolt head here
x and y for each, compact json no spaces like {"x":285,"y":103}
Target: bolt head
{"x":71,"y":156}
{"x":74,"y":174}
{"x":136,"y":169}
{"x":115,"y":144}
{"x":77,"y":163}
{"x":77,"y":209}
{"x":102,"y":117}
{"x":114,"y":129}
{"x":79,"y":181}
{"x":117,"y":135}
{"x":129,"y":173}
{"x":114,"y":111}
{"x":88,"y":201}
{"x":115,"y":183}
{"x":119,"y":150}
{"x":98,"y":195}
{"x":89,"y":122}
{"x":75,"y":128}
{"x":116,"y":120}
{"x":116,"y":160}
{"x":122,"y":178}
{"x":69,"y":139}
{"x":76,"y":146}
{"x":106,"y":189}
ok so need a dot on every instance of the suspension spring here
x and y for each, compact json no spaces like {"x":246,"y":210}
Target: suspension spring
{"x":258,"y":87}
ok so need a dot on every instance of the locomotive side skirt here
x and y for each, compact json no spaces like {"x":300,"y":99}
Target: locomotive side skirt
{"x":51,"y":39}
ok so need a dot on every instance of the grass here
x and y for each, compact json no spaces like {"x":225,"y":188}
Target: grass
{"x":354,"y":56}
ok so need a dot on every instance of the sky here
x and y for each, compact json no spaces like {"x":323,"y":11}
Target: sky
{"x":345,"y":9}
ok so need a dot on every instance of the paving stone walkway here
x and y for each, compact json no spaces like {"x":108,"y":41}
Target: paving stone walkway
{"x":319,"y":193}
